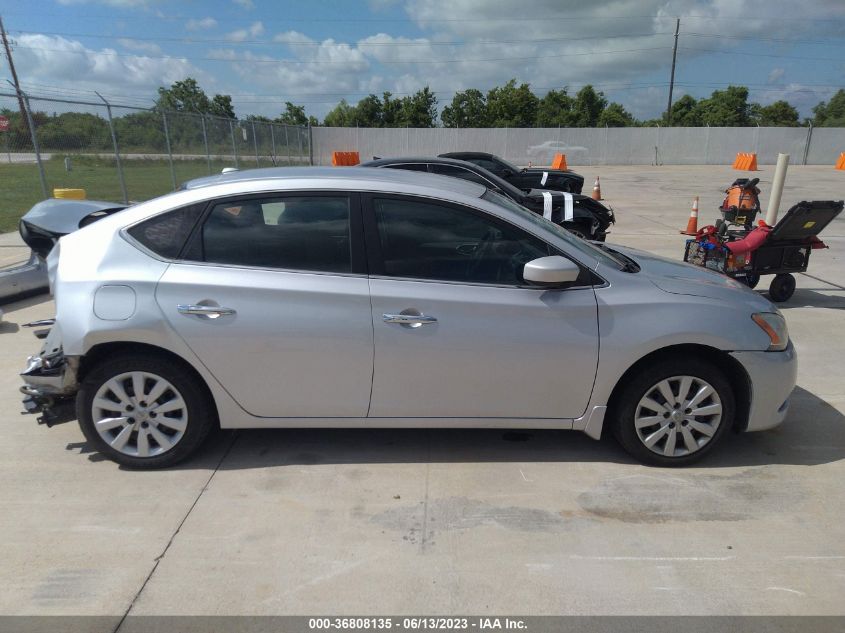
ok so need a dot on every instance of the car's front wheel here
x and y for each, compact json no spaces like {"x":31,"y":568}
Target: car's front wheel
{"x":144,"y":411}
{"x":673,"y":413}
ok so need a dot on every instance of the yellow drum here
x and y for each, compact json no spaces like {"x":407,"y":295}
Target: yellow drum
{"x":70,"y":194}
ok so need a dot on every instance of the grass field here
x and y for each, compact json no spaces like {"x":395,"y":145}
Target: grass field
{"x":20,"y":187}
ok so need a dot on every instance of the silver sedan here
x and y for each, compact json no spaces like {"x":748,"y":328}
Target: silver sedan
{"x":364,"y":298}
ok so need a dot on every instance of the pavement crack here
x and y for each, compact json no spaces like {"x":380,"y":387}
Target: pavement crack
{"x":159,"y":558}
{"x":824,"y":281}
{"x":425,"y":502}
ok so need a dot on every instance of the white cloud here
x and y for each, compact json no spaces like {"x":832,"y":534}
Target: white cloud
{"x":623,"y":47}
{"x":292,"y":37}
{"x":200,"y":25}
{"x":775,"y":75}
{"x":241,"y":35}
{"x":802,"y":96}
{"x":136,"y":45}
{"x":386,"y":48}
{"x":334,"y":69}
{"x":55,"y":60}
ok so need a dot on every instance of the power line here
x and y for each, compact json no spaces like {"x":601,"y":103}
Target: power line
{"x":788,"y":40}
{"x":474,"y":19}
{"x":253,"y":60}
{"x":257,"y":99}
{"x":750,"y":54}
{"x":836,"y":41}
{"x":274,"y":42}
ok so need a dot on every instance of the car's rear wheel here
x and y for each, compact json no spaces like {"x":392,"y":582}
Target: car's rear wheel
{"x":674,"y":413}
{"x":144,"y":411}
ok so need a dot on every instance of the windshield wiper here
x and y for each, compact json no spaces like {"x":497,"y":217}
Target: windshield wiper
{"x":626,"y":264}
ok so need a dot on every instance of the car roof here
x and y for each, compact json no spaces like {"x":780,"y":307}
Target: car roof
{"x":362,"y":176}
{"x":473,"y":154}
{"x":501,"y":183}
{"x":437,"y":160}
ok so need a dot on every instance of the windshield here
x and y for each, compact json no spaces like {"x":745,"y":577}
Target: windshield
{"x":510,"y":166}
{"x":541,"y":222}
{"x":504,"y":185}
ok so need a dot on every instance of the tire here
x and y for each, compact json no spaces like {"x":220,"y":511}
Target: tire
{"x":174,"y":425}
{"x":708,"y":430}
{"x":782,"y":287}
{"x":750,"y":280}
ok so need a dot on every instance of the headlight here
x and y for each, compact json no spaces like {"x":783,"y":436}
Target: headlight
{"x":774,"y":325}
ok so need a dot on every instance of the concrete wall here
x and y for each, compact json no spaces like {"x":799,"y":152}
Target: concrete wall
{"x":590,"y":146}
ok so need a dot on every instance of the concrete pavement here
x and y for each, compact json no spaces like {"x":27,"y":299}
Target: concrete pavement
{"x":452,"y":522}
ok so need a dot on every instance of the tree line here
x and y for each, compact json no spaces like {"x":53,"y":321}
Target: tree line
{"x":515,"y":105}
{"x":509,"y":105}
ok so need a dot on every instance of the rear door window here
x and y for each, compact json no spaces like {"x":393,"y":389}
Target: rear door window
{"x":307,"y":233}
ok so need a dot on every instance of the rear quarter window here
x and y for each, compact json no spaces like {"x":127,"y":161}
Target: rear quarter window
{"x":166,"y":234}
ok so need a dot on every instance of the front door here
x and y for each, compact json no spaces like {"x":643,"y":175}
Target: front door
{"x":458,"y":334}
{"x":275,"y":303}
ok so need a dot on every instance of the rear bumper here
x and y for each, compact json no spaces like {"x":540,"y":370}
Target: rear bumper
{"x":773,"y":376}
{"x":50,"y":382}
{"x":28,"y":277}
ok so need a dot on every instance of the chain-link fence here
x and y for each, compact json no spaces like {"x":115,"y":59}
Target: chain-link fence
{"x":591,"y":146}
{"x":116,"y":152}
{"x":120,"y":153}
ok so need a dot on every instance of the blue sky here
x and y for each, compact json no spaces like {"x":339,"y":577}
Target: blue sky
{"x":265,"y":52}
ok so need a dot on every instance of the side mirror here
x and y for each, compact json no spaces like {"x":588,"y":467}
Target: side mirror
{"x":551,"y":271}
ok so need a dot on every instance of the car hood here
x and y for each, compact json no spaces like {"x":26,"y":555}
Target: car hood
{"x":681,"y":278}
{"x":558,"y":197}
{"x":583,"y":206}
{"x":562,"y":172}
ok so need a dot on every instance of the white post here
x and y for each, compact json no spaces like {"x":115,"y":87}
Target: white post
{"x":777,"y":189}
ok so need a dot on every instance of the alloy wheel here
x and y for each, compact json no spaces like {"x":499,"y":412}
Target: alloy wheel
{"x":139,"y":414}
{"x":678,"y":416}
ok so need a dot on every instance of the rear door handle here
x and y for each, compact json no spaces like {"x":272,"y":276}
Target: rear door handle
{"x":208,"y":312}
{"x":409,"y":320}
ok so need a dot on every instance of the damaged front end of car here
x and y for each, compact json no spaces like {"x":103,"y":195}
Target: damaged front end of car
{"x":50,"y":380}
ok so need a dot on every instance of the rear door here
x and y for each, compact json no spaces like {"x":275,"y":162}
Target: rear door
{"x":272,"y":296}
{"x":458,"y":334}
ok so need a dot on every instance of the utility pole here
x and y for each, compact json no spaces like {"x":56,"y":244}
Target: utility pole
{"x":14,"y":73}
{"x":672,"y":77}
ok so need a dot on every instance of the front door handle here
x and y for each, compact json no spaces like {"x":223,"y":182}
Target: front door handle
{"x":409,"y":320}
{"x":208,"y":312}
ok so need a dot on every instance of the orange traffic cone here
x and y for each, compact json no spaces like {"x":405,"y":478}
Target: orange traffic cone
{"x":692,"y":223}
{"x":597,"y":190}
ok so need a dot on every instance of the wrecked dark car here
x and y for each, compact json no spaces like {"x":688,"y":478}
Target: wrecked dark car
{"x":578,"y":214}
{"x":525,"y":178}
{"x":47,"y":221}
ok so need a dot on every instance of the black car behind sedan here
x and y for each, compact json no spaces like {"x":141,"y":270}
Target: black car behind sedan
{"x":525,"y":179}
{"x":578,"y":214}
